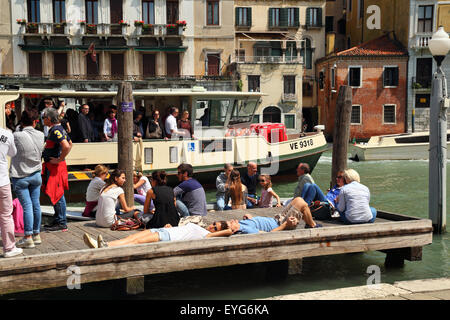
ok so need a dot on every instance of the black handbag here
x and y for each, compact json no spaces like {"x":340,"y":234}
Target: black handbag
{"x":321,"y":210}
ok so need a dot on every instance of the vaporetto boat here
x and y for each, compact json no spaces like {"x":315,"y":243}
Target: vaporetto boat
{"x":403,"y":146}
{"x":230,"y":136}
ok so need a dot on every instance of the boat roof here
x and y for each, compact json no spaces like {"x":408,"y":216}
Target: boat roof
{"x":194,"y":91}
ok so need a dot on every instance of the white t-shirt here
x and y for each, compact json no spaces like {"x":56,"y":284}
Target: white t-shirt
{"x":171,"y":124}
{"x":191,"y":231}
{"x":106,"y":208}
{"x":142,"y":190}
{"x":94,"y":188}
{"x":7,"y":148}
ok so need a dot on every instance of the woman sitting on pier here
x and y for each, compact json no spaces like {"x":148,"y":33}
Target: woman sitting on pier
{"x":93,"y":190}
{"x":237,"y":191}
{"x":353,"y":201}
{"x":164,"y":199}
{"x":111,"y":194}
{"x":142,"y":186}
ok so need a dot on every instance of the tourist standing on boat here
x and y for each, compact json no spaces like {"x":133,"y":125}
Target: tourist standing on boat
{"x":184,"y":126}
{"x":190,"y":195}
{"x":7,"y":148}
{"x":110,"y":127}
{"x":353,"y":201}
{"x":86,"y":131}
{"x":110,"y":196}
{"x":267,"y":192}
{"x":65,"y":122}
{"x":138,"y":129}
{"x":171,"y":124}
{"x":54,"y":171}
{"x":155,"y":128}
{"x":237,"y":191}
{"x":163,"y":198}
{"x":25,"y":172}
{"x":93,"y":190}
{"x":250,"y":180}
{"x":141,"y":185}
{"x":222,"y":187}
{"x":311,"y":191}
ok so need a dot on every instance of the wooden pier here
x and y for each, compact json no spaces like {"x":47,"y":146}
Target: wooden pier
{"x":63,"y":257}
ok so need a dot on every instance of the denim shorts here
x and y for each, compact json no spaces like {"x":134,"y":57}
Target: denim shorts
{"x":162,"y":233}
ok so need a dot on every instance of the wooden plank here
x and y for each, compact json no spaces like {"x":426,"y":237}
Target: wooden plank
{"x":163,"y":264}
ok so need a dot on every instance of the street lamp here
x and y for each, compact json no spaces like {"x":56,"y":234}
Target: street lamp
{"x":439,"y":46}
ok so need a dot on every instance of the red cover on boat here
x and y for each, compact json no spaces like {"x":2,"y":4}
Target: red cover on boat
{"x":273,"y":132}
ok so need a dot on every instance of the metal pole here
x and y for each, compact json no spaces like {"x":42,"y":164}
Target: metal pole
{"x":438,"y":152}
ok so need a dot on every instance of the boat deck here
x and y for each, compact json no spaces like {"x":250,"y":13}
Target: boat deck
{"x":52,"y":263}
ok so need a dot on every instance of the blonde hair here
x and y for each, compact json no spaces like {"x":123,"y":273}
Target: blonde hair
{"x":100,"y":169}
{"x":268,"y":180}
{"x":351,"y":175}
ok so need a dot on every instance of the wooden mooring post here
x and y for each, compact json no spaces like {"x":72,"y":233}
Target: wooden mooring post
{"x":341,"y":132}
{"x":125,"y":134}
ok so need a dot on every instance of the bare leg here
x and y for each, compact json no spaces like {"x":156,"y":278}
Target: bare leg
{"x":301,"y":205}
{"x":145,"y":236}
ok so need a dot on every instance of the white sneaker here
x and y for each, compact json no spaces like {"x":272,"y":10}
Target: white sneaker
{"x":25,"y":243}
{"x":14,"y":252}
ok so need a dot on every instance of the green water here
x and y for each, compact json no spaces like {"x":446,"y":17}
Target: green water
{"x":396,"y":186}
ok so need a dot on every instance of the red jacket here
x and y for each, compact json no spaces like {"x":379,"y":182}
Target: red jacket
{"x":57,"y":181}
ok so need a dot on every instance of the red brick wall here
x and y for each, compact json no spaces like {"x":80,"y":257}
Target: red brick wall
{"x":371,"y":96}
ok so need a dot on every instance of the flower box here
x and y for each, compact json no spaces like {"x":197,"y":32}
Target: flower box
{"x":32,"y":27}
{"x":147,"y":29}
{"x":91,"y":28}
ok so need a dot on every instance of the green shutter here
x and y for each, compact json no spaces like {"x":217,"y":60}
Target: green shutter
{"x":249,"y":16}
{"x":308,"y":17}
{"x":283,"y":17}
{"x":236,"y":15}
{"x":319,"y":17}
{"x":297,"y":17}
{"x":270,"y":17}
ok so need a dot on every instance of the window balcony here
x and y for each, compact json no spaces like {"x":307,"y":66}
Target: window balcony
{"x":268,"y":59}
{"x":160,"y":30}
{"x":421,"y":84}
{"x":289,"y":97}
{"x":421,"y":41}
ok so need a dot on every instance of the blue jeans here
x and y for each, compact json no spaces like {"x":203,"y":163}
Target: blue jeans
{"x":60,"y":212}
{"x":250,"y":205}
{"x":311,"y":192}
{"x":344,"y":219}
{"x":183,"y":211}
{"x":28,"y":191}
{"x":220,"y":203}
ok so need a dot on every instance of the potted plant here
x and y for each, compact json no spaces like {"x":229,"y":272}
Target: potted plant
{"x":138,"y":24}
{"x":32,"y":27}
{"x":147,"y":29}
{"x":91,"y":28}
{"x":21,"y":21}
{"x":59,"y":27}
{"x":181,"y":24}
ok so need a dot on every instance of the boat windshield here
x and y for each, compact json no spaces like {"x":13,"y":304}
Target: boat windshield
{"x":243,"y":111}
{"x":212,"y":113}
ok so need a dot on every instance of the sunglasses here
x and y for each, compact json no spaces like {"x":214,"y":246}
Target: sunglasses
{"x":262,"y":180}
{"x":215,"y":227}
{"x":339,"y":177}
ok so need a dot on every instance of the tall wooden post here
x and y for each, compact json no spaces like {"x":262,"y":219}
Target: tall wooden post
{"x":125,"y":135}
{"x":341,"y":132}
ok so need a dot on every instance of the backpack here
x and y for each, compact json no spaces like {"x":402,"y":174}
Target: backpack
{"x":321,"y":210}
{"x":126,"y":224}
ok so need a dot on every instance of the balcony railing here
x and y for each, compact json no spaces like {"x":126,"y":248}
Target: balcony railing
{"x":140,"y":77}
{"x":421,"y":41}
{"x":44,"y":28}
{"x":269,"y":59}
{"x":421,"y":84}
{"x":160,"y":30}
{"x":289,"y":97}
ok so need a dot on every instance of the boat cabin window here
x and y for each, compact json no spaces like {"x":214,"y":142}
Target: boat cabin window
{"x":243,"y":111}
{"x":212,"y":113}
{"x":148,"y":155}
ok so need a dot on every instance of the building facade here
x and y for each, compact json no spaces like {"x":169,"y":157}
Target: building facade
{"x":6,"y":55}
{"x":376,"y":72}
{"x":276,"y":44}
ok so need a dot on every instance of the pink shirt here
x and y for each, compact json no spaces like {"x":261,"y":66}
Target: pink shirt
{"x":266,"y":198}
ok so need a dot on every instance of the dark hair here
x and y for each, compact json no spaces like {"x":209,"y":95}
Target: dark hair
{"x":28,"y":116}
{"x":172,"y":109}
{"x":153,"y":113}
{"x":305,"y":167}
{"x":223,"y":225}
{"x":112,"y":177}
{"x":186,"y":167}
{"x":160,"y":177}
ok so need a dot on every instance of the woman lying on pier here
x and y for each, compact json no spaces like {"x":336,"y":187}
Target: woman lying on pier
{"x":287,"y":220}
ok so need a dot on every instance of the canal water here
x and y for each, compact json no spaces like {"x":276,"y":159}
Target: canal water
{"x":396,"y":186}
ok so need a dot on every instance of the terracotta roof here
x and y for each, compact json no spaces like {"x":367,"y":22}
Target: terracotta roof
{"x":382,"y":46}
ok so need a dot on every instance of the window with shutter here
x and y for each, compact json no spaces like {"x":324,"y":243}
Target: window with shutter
{"x":389,"y":114}
{"x":148,"y":65}
{"x":34,"y":12}
{"x":292,"y":17}
{"x":390,"y":77}
{"x":275,"y":17}
{"x":355,"y":117}
{"x":60,"y":65}
{"x":354,"y":76}
{"x":35,"y":64}
{"x":243,"y":17}
{"x":116,"y":11}
{"x":117,"y":65}
{"x":59,"y":11}
{"x":314,"y":17}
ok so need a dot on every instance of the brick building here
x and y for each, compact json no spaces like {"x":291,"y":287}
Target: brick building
{"x":377,"y":72}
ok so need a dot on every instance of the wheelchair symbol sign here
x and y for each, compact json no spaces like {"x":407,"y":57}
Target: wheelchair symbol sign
{"x":191,"y":146}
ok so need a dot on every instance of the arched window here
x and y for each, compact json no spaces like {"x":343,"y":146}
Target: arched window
{"x":272,"y":114}
{"x":306,"y":53}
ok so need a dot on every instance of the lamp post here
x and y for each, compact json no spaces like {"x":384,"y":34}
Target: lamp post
{"x":439,"y":46}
